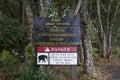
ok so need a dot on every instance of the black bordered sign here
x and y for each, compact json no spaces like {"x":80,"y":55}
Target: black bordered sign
{"x":56,"y":31}
{"x":56,"y":55}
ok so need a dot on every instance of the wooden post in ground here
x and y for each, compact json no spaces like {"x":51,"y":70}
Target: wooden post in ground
{"x":73,"y":68}
{"x":74,"y":73}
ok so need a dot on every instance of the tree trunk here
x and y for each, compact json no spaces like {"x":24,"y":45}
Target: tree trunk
{"x":88,"y":61}
{"x":44,"y":5}
{"x":109,"y":45}
{"x":102,"y":35}
{"x":30,"y":19}
{"x":81,"y":53}
{"x":86,"y":42}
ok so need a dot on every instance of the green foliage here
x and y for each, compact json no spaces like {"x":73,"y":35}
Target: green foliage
{"x":29,"y":54}
{"x":11,"y":8}
{"x":61,"y":8}
{"x":116,"y":34}
{"x":10,"y":65}
{"x":116,"y":52}
{"x":11,"y":32}
{"x":95,"y":52}
{"x":32,"y":71}
{"x":93,"y":35}
{"x":7,"y":61}
{"x":67,"y":74}
{"x":84,"y":77}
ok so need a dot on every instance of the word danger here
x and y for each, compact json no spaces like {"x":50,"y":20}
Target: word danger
{"x":60,"y":49}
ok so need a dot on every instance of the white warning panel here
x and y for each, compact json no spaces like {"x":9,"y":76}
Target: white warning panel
{"x":42,"y":58}
{"x":63,"y":58}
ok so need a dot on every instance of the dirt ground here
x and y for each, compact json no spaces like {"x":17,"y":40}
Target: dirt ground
{"x":107,"y":69}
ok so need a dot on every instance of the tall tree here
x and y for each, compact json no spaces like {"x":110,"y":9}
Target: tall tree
{"x":29,"y":16}
{"x":86,"y":42}
{"x":106,"y":17}
{"x":43,"y":6}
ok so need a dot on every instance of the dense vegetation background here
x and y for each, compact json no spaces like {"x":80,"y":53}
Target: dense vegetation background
{"x":100,"y":37}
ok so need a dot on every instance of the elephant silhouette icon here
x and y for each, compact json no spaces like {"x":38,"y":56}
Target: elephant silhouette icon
{"x":42,"y":58}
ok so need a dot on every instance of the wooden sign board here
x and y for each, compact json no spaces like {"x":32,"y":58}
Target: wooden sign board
{"x":56,"y":31}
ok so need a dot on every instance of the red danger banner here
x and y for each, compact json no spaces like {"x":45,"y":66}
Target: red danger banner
{"x":57,"y":49}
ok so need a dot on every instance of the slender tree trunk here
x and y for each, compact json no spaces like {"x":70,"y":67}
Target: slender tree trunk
{"x":78,"y":7}
{"x":81,"y":52}
{"x":110,"y":29}
{"x":109,"y":45}
{"x":30,"y":19}
{"x":104,"y":45}
{"x":102,"y":35}
{"x":86,"y":42}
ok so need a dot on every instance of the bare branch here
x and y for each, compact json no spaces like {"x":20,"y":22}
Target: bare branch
{"x":116,"y":10}
{"x":43,"y":7}
{"x":78,"y":7}
{"x":47,"y":6}
{"x":103,"y":7}
{"x":29,"y":12}
{"x":99,"y":15}
{"x":108,"y":16}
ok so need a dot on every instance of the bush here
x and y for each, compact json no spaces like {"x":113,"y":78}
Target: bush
{"x":10,"y":65}
{"x":116,"y":52}
{"x":32,"y":71}
{"x":95,"y":52}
